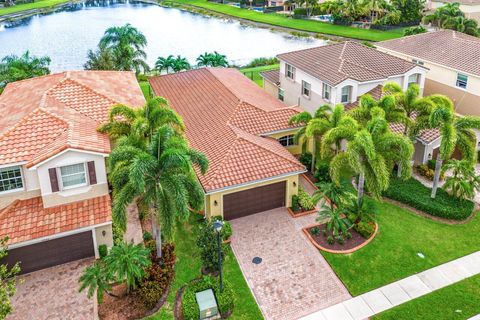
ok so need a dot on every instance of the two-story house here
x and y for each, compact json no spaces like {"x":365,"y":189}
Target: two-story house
{"x":338,"y":73}
{"x":54,"y":196}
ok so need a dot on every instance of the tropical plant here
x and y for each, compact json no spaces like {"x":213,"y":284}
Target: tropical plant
{"x":455,"y":132}
{"x":337,"y":194}
{"x":101,"y":59}
{"x":336,"y":222}
{"x":165,"y":64}
{"x":462,"y":24}
{"x":126,"y":44}
{"x":208,"y":246}
{"x":448,"y":10}
{"x":363,"y":211}
{"x":214,"y":59}
{"x":414,"y":30}
{"x":371,"y":154}
{"x":363,"y":112}
{"x":127,"y":263}
{"x":14,"y":68}
{"x":8,"y":281}
{"x":180,"y":64}
{"x":309,"y":5}
{"x":96,"y":279}
{"x":463,"y":183}
{"x":409,"y":10}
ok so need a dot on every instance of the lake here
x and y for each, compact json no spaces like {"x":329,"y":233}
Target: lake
{"x":67,"y":34}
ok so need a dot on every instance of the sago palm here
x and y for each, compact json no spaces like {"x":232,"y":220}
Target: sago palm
{"x":337,"y":194}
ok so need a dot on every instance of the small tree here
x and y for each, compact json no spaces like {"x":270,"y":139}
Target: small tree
{"x":207,"y":244}
{"x":8,"y":281}
{"x":95,"y":278}
{"x":463,"y":183}
{"x":335,"y":222}
{"x":338,"y":195}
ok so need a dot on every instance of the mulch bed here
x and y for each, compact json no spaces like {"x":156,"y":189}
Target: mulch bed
{"x":126,"y":307}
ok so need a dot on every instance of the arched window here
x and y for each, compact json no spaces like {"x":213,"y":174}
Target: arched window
{"x":346,"y":94}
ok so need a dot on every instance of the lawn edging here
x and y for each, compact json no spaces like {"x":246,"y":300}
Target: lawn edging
{"x":310,"y":238}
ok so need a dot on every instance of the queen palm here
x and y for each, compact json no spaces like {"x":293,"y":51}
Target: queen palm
{"x":162,"y":175}
{"x":371,"y":154}
{"x":165,"y":64}
{"x":455,"y":132}
{"x":363,"y":113}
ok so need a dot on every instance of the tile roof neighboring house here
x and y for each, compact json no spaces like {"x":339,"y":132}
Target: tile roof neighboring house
{"x":46,"y":115}
{"x":226,"y":115}
{"x":25,"y":220}
{"x":348,"y":60}
{"x":448,"y":48}
{"x":272,"y":75}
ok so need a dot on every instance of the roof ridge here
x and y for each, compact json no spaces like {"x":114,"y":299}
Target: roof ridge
{"x":34,"y":78}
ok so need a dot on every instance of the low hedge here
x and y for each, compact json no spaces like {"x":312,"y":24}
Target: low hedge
{"x":225,"y":299}
{"x":415,"y":194}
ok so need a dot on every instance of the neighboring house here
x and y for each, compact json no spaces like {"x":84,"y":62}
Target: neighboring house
{"x":471,"y":8}
{"x":54,"y":196}
{"x":453,"y":60}
{"x":245,"y":134}
{"x":337,"y":73}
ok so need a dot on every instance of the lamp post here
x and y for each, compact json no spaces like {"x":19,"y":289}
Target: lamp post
{"x":217,"y":225}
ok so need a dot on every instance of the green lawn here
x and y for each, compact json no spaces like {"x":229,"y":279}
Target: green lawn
{"x":146,"y":90}
{"x":392,"y":255}
{"x":188,"y":268}
{"x":297,"y":24}
{"x":38,"y":4}
{"x":457,"y":301}
{"x":254,"y":73}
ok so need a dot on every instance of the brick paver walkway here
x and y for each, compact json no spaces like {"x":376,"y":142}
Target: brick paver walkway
{"x":293,"y":279}
{"x":53,"y":294}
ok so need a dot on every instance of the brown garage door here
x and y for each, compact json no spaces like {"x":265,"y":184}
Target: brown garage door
{"x":244,"y":203}
{"x":53,"y":252}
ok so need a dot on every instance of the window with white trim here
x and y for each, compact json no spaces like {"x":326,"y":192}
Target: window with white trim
{"x":287,"y":141}
{"x":326,"y":91}
{"x":73,"y":175}
{"x":346,"y":94}
{"x":462,"y":81}
{"x":306,"y":89}
{"x":289,"y":71}
{"x":11,"y":179}
{"x":281,"y":94}
{"x":414,"y":79}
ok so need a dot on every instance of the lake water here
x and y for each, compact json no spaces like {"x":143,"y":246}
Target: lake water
{"x":66,"y":35}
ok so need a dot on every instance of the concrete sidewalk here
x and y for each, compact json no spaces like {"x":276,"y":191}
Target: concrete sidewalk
{"x":396,"y":293}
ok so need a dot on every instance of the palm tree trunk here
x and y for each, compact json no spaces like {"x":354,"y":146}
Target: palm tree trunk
{"x":399,"y":170}
{"x":314,"y":151}
{"x":360,"y":187}
{"x":436,"y":177}
{"x":158,"y":237}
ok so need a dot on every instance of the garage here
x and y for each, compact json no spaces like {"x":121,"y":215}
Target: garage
{"x":247,"y":202}
{"x":52,"y":252}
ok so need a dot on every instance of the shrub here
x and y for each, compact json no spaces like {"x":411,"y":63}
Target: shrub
{"x":315,"y":231}
{"x":324,"y":232}
{"x":208,"y":247}
{"x":147,"y":236}
{"x":330,"y":240}
{"x":295,"y":203}
{"x":260,"y":62}
{"x":117,"y":234}
{"x":225,"y":299}
{"x":305,"y":200}
{"x":415,"y":194}
{"x":149,"y":293}
{"x":348,"y":235}
{"x":365,"y":229}
{"x":227,"y":230}
{"x":102,"y":250}
{"x":414,"y":30}
{"x":341,"y":240}
{"x":431,"y":164}
{"x":306,"y":159}
{"x":322,"y":174}
{"x":142,"y":77}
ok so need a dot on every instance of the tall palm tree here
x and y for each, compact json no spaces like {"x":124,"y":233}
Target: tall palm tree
{"x":14,"y":68}
{"x":161,"y":174}
{"x":455,"y":132}
{"x":126,"y":43}
{"x":371,"y":155}
{"x":165,"y":64}
{"x":180,"y":63}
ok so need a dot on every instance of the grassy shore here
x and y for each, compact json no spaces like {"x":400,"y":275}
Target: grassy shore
{"x":286,"y":22}
{"x":39,"y":4}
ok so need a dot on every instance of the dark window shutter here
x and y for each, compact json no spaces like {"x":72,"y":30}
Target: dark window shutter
{"x":52,"y":172}
{"x":92,"y":175}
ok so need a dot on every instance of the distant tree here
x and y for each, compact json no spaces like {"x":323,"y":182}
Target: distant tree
{"x":165,"y":64}
{"x":448,"y":10}
{"x":8,"y":281}
{"x":309,"y":5}
{"x":101,"y":59}
{"x":410,"y":10}
{"x":14,"y":68}
{"x":414,"y":30}
{"x":180,"y":64}
{"x":214,"y":59}
{"x":462,"y":24}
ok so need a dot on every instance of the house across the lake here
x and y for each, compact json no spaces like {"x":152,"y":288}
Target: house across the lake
{"x":54,"y":196}
{"x":245,"y":134}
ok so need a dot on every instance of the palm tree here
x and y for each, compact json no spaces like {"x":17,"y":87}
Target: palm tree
{"x":165,"y":64}
{"x":96,"y":279}
{"x":180,"y":63}
{"x":219,"y":60}
{"x":363,"y":113}
{"x":127,"y":262}
{"x":336,"y":223}
{"x":463,"y":183}
{"x":371,"y":154}
{"x":161,"y":174}
{"x":461,"y":24}
{"x":441,"y":14}
{"x":337,"y":194}
{"x":455,"y":132}
{"x":204,"y":60}
{"x":126,"y":43}
{"x":14,"y":68}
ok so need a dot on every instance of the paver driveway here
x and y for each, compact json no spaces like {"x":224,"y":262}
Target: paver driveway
{"x":53,"y":294}
{"x":293,"y":280}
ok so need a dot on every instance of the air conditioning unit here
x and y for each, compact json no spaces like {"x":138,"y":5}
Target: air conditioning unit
{"x":207,"y":304}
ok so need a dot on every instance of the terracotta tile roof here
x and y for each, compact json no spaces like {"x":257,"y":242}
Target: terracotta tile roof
{"x":45,"y":115}
{"x":25,"y":220}
{"x":348,"y":60}
{"x":449,"y":48}
{"x":225,"y":115}
{"x":272,"y":75}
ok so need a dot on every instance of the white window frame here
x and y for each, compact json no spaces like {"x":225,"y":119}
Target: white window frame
{"x":289,"y":140}
{"x":458,"y":81}
{"x":349,"y":98}
{"x":289,"y":71}
{"x":21,"y":179}
{"x":417,"y":79}
{"x":326,"y":91}
{"x":306,"y":87}
{"x":281,"y":94}
{"x":76,"y":185}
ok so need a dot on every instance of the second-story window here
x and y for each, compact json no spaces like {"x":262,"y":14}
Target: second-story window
{"x":306,"y":89}
{"x":326,"y":91}
{"x":414,"y":79}
{"x":287,"y":141}
{"x":289,"y":71}
{"x":73,"y":175}
{"x":346,"y":94}
{"x":11,"y":179}
{"x":462,"y":81}
{"x":281,"y":94}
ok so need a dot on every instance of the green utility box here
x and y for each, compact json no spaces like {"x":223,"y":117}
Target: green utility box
{"x":207,"y":304}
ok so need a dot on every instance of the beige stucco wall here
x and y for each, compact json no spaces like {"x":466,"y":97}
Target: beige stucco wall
{"x":59,"y":198}
{"x":296,"y":149}
{"x":8,"y":198}
{"x":106,"y":239}
{"x":465,"y":102}
{"x":271,"y":88}
{"x":217,"y":210}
